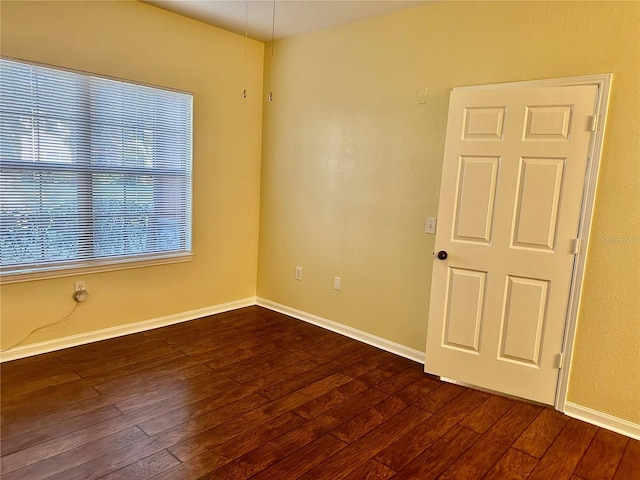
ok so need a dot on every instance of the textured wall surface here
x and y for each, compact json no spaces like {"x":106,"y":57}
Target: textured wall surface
{"x":352,"y":164}
{"x":138,"y":42}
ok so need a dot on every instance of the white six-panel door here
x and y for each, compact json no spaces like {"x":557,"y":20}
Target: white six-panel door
{"x":509,"y":212}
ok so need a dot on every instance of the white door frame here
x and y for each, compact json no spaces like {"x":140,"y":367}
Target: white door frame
{"x":603,"y":82}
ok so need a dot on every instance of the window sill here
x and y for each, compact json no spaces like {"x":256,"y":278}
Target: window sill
{"x":94,"y":267}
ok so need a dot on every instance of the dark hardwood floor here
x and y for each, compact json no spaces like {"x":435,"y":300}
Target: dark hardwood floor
{"x":256,"y":394}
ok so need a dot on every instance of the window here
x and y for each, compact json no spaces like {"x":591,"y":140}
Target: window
{"x":93,"y":171}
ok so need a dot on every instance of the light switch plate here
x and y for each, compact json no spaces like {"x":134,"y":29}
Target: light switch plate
{"x":430,"y":226}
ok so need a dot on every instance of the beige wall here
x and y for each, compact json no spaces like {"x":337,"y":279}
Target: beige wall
{"x":138,"y":42}
{"x":352,"y":164}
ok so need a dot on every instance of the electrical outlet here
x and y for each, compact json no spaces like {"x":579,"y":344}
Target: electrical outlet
{"x":336,"y":283}
{"x":298,"y":273}
{"x":80,"y":293}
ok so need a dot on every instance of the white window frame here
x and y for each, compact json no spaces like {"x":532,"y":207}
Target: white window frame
{"x":117,"y":262}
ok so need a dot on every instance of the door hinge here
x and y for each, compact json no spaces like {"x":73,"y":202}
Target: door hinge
{"x":594,"y":123}
{"x":560,"y":360}
{"x":576,"y":246}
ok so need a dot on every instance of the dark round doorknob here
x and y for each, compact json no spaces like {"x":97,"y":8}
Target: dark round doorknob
{"x":442,"y":255}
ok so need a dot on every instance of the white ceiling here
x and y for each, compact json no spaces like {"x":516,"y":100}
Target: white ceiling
{"x":292,"y":17}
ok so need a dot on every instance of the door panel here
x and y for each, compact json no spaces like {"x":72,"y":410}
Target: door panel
{"x":548,"y":122}
{"x":483,"y":123}
{"x":510,"y":199}
{"x":464,"y":309}
{"x":475,"y":199}
{"x":537,"y":201}
{"x":524,"y":314}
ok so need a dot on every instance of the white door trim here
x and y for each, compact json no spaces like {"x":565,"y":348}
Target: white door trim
{"x":603,"y":82}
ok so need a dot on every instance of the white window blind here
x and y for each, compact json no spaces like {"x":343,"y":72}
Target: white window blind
{"x":92,"y":170}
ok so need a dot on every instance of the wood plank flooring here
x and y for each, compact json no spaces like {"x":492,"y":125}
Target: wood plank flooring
{"x":256,"y":394}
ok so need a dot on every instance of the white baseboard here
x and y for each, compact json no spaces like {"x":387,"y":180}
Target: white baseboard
{"x":579,"y":412}
{"x":112,"y":332}
{"x":364,"y":337}
{"x":603,"y":420}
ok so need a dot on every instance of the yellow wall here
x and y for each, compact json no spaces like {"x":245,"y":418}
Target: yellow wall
{"x":351,"y":164}
{"x":351,"y":168}
{"x":138,"y":42}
